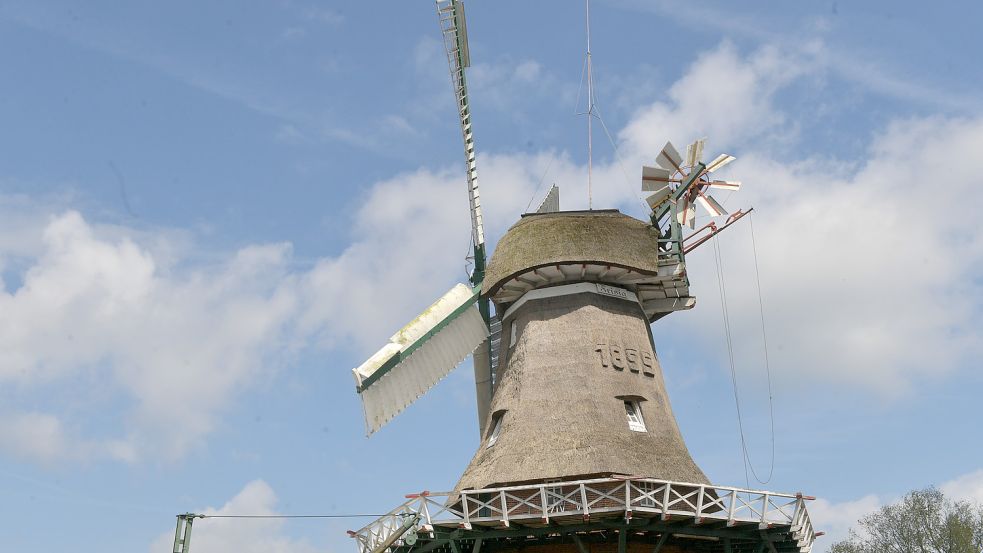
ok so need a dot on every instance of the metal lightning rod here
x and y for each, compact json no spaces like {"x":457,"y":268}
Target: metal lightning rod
{"x":590,"y":115}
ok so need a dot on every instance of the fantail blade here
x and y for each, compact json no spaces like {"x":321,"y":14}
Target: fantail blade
{"x":669,"y":158}
{"x":734,"y":185}
{"x":720,"y":161}
{"x":711,"y":205}
{"x":660,"y":196}
{"x":694,"y":152}
{"x":654,"y":178}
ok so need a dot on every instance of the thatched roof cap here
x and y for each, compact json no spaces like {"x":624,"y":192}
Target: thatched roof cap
{"x":606,"y":237}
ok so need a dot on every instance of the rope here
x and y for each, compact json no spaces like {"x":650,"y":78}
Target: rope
{"x":725,"y":311}
{"x":617,"y":156}
{"x":764,"y":341}
{"x":722,"y":290}
{"x":541,"y":179}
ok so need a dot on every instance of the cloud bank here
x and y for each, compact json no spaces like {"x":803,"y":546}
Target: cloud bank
{"x":870,"y":267}
{"x":218,"y":535}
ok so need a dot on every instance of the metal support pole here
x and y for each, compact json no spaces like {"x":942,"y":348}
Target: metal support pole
{"x":407,"y":526}
{"x":767,"y":541}
{"x":579,"y":543}
{"x":182,"y":533}
{"x":662,"y":541}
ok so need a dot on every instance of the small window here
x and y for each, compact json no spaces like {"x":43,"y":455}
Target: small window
{"x":554,"y":499}
{"x":634,"y":412}
{"x":647,"y":497}
{"x":496,"y":428}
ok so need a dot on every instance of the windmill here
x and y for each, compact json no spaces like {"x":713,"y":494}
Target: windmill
{"x":579,"y":445}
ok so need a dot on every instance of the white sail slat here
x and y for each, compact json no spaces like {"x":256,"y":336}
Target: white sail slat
{"x":419,"y":355}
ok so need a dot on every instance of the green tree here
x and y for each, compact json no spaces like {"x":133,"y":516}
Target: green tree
{"x":925,"y":521}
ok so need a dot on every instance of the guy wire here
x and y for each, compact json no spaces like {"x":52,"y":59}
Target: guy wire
{"x":718,"y":259}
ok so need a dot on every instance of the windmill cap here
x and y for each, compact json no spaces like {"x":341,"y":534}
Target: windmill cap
{"x":545,"y":249}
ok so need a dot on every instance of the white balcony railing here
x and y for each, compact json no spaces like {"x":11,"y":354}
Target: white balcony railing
{"x":536,"y":504}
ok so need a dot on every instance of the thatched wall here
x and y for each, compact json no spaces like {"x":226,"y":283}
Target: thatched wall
{"x":564,"y":414}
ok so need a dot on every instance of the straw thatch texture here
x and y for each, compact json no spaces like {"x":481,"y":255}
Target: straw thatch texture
{"x":602,"y":237}
{"x":564,"y":413}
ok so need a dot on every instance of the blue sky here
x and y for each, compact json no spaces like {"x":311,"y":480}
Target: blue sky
{"x":210,"y":212}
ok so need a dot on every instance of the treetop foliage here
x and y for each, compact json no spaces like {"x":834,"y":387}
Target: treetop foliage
{"x":924,"y":521}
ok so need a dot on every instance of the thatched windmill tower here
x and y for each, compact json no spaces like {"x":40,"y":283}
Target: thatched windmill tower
{"x":579,"y":447}
{"x":580,"y":393}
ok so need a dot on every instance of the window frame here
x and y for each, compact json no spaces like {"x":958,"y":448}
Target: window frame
{"x":647,"y":488}
{"x":633,"y":412}
{"x":496,"y":429}
{"x":555,"y":499}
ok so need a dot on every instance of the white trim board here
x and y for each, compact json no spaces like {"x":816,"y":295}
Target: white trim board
{"x":576,"y":288}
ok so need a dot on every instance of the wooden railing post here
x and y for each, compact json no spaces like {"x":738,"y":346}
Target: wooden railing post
{"x":583,"y":499}
{"x":544,"y":503}
{"x":730,"y":511}
{"x":464,"y":507}
{"x":699,"y":505}
{"x":505,"y":507}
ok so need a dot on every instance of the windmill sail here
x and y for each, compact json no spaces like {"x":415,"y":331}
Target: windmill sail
{"x":450,"y":14}
{"x":419,"y":355}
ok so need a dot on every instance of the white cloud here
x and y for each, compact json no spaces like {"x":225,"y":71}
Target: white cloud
{"x":92,"y":303}
{"x":288,"y":134}
{"x":412,"y":235}
{"x":323,"y":15}
{"x":504,"y":84}
{"x":293,"y":33}
{"x":41,"y":437}
{"x":32,"y":436}
{"x":142,"y":317}
{"x":218,"y":535}
{"x":868,"y":279}
{"x":968,"y":487}
{"x":724,"y":96}
{"x":836,"y":519}
{"x":528,"y":70}
{"x":853,"y":62}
